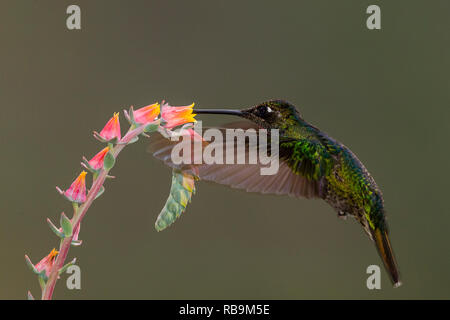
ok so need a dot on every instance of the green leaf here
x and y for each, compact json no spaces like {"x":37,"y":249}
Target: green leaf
{"x":152,"y":127}
{"x":31,"y":265}
{"x":55,"y":229}
{"x":131,"y":115}
{"x":66,"y":225}
{"x":64,"y":268}
{"x":109,"y":161}
{"x":100,"y":192}
{"x":180,"y":195}
{"x":42,"y":278}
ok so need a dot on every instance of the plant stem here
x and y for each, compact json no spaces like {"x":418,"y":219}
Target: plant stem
{"x":79,"y":214}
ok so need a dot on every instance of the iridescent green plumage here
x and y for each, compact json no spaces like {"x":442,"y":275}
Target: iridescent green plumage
{"x":345,"y":182}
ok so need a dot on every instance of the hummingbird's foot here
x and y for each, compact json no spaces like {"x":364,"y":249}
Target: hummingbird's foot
{"x":342,"y":215}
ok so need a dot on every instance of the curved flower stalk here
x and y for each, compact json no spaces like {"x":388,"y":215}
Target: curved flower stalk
{"x":142,"y":121}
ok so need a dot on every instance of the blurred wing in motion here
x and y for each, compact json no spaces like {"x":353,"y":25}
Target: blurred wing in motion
{"x":241,"y":176}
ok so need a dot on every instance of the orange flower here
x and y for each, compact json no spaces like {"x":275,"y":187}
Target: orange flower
{"x":47,"y":262}
{"x":96,"y":162}
{"x":77,"y":190}
{"x":175,"y":116}
{"x":147,"y":114}
{"x":111,"y":129}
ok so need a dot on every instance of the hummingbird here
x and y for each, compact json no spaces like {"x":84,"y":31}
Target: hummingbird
{"x":312,"y":165}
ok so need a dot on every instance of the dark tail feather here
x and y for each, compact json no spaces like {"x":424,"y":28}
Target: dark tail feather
{"x":384,"y":248}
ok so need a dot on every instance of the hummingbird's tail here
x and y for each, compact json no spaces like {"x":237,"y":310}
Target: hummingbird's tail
{"x":384,"y":248}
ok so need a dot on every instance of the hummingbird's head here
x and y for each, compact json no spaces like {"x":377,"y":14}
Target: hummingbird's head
{"x":274,"y":114}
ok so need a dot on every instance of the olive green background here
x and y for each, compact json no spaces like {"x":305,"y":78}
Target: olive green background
{"x":384,"y":93}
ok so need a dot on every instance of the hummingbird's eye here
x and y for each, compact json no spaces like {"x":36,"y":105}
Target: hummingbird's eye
{"x":263,"y":111}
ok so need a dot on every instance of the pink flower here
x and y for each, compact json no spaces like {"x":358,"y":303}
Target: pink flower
{"x":96,"y":162}
{"x":77,"y":190}
{"x":111,"y":129}
{"x":146,"y":114}
{"x":47,"y":262}
{"x":175,"y":116}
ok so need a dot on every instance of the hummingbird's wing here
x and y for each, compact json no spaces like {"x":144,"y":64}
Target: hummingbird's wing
{"x":241,"y":176}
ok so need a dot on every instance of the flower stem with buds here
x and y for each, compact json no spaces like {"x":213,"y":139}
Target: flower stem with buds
{"x":142,"y":121}
{"x":80,"y":212}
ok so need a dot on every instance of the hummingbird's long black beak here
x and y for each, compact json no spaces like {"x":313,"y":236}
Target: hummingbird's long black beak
{"x":238,"y":113}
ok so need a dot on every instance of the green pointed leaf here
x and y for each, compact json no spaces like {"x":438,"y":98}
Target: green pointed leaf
{"x":100,"y":192}
{"x":31,"y":265}
{"x":109,"y":161}
{"x":131,"y":115}
{"x":64,"y":268}
{"x":55,"y":229}
{"x":42,"y":278}
{"x":152,"y":127}
{"x":66,"y":225}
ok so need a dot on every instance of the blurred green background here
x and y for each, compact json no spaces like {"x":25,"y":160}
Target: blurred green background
{"x":385,"y":94}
